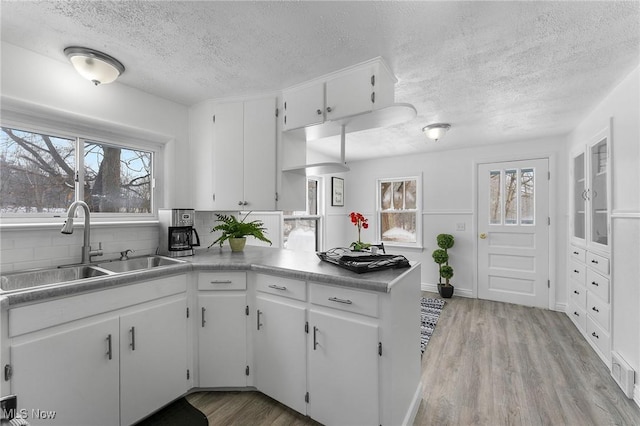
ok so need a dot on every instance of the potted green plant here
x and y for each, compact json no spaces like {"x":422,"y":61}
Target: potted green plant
{"x":441,"y":257}
{"x":236,"y":231}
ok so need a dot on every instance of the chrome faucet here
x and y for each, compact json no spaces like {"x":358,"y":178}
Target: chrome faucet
{"x":68,"y":229}
{"x":124,"y":255}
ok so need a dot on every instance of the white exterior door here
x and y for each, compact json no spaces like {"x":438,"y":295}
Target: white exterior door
{"x":513,"y":232}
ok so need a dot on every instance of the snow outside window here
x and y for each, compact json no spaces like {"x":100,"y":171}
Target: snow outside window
{"x":399,"y":211}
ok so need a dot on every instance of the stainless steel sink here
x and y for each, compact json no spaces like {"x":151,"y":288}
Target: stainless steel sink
{"x":138,"y":263}
{"x":41,"y":277}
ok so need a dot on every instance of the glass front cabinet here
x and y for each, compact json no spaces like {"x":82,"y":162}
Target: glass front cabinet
{"x":591,"y":193}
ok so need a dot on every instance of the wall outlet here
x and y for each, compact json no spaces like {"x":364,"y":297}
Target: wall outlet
{"x":461,"y":226}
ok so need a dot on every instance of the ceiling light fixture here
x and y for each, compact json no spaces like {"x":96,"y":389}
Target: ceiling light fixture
{"x":95,"y":66}
{"x":436,"y":131}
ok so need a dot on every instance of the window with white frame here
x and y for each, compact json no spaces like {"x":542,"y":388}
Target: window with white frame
{"x":399,"y":209}
{"x":42,"y":174}
{"x":301,"y":230}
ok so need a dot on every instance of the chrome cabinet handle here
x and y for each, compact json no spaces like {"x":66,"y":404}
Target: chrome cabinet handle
{"x":133,"y":338}
{"x":277,"y":287}
{"x":594,"y":283}
{"x":109,"y":352}
{"x":258,"y":319}
{"x":319,"y":112}
{"x":221,"y":282}
{"x":576,"y":314}
{"x":576,"y":271}
{"x":328,"y":109}
{"x":203,"y":320}
{"x":595,"y":309}
{"x":345,"y":301}
{"x":594,"y":261}
{"x":595,"y":335}
{"x":576,"y":253}
{"x":315,"y":340}
{"x":576,"y":291}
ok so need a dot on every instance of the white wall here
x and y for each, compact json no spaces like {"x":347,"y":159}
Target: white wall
{"x":623,"y":105}
{"x":448,"y":199}
{"x":51,"y":89}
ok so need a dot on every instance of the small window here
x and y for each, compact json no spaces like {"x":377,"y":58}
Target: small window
{"x":399,"y":211}
{"x":42,"y":174}
{"x":302,"y":228}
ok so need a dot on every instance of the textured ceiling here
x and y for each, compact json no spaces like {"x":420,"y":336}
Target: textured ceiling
{"x":497,"y":71}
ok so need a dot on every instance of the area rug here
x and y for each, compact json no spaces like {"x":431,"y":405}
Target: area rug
{"x":429,"y":313}
{"x":178,"y":413}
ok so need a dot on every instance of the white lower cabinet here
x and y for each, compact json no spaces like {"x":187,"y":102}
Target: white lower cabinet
{"x":342,"y":370}
{"x":73,"y":373}
{"x":153,"y":359}
{"x":109,"y":357}
{"x":280,"y":351}
{"x":222,"y":329}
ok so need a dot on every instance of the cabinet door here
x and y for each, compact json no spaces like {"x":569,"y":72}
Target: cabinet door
{"x":349,"y":94}
{"x":72,"y":373}
{"x":303,"y":106}
{"x":280,"y":347}
{"x":222,"y":339}
{"x":342,"y":370}
{"x":579,"y":206}
{"x":153,"y":359}
{"x":228,"y":156}
{"x":260,"y":154}
{"x":598,"y":194}
{"x":201,"y":141}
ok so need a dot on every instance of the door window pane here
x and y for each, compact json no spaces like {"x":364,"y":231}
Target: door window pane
{"x":37,"y":172}
{"x":117,"y":179}
{"x":598,"y":193}
{"x":495,"y":204}
{"x":527,"y":198}
{"x":510,"y":197}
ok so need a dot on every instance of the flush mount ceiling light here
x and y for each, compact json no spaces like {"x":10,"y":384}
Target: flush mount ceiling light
{"x":436,"y":131}
{"x":95,"y":66}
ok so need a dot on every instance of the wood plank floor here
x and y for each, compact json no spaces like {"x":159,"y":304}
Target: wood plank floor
{"x":488,"y":363}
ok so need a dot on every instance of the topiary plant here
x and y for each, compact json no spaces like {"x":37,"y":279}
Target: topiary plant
{"x":441,"y":257}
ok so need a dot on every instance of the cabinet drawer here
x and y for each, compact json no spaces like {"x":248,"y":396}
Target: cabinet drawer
{"x":577,"y":272}
{"x":359,"y":302}
{"x":577,"y":254}
{"x":598,"y":284}
{"x":578,"y":295}
{"x":222,"y":281}
{"x":598,"y":310}
{"x":598,"y":263}
{"x":598,"y":336}
{"x":578,"y":316}
{"x":294,"y":289}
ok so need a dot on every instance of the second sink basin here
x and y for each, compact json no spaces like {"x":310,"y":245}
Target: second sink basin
{"x":138,"y":263}
{"x":36,"y":278}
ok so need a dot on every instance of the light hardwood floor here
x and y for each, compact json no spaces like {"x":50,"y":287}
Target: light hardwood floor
{"x":488,"y":363}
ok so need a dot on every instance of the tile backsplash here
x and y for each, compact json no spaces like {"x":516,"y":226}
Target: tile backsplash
{"x":38,"y":247}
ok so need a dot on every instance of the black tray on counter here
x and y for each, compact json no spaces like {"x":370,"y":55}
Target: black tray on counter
{"x":361,"y":262}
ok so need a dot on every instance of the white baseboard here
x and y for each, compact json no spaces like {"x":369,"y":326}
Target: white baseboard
{"x":410,"y":417}
{"x":433,"y":288}
{"x":636,"y":395}
{"x":561,"y":307}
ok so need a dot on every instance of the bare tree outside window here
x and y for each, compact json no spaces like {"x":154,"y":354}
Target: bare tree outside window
{"x":516,"y":200}
{"x":397,"y":210}
{"x":38,"y":175}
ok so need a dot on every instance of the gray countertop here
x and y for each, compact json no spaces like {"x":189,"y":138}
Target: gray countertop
{"x":298,"y":265}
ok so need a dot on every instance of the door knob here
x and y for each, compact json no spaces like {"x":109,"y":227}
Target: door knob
{"x":483,"y":236}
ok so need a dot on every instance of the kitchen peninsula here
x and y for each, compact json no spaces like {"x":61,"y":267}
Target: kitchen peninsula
{"x":340,"y":347}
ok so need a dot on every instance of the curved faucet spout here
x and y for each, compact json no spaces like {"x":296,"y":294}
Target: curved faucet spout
{"x":68,"y":229}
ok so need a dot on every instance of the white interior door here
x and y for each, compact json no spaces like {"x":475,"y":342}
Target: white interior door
{"x":513,"y":232}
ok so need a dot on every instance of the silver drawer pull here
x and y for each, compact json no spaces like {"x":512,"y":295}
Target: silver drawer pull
{"x":595,"y":335}
{"x":221,"y":282}
{"x":576,"y":291}
{"x":277,"y":287}
{"x":576,"y":271}
{"x":595,"y":309}
{"x":575,"y":252}
{"x":594,"y":283}
{"x":594,"y":261}
{"x":345,"y":301}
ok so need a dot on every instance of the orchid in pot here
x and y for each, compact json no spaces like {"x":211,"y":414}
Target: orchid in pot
{"x":360,"y":222}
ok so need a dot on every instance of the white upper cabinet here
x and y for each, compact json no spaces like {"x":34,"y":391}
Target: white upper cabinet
{"x":591,"y":198}
{"x":346,"y":93}
{"x":233,"y":151}
{"x":303,"y":106}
